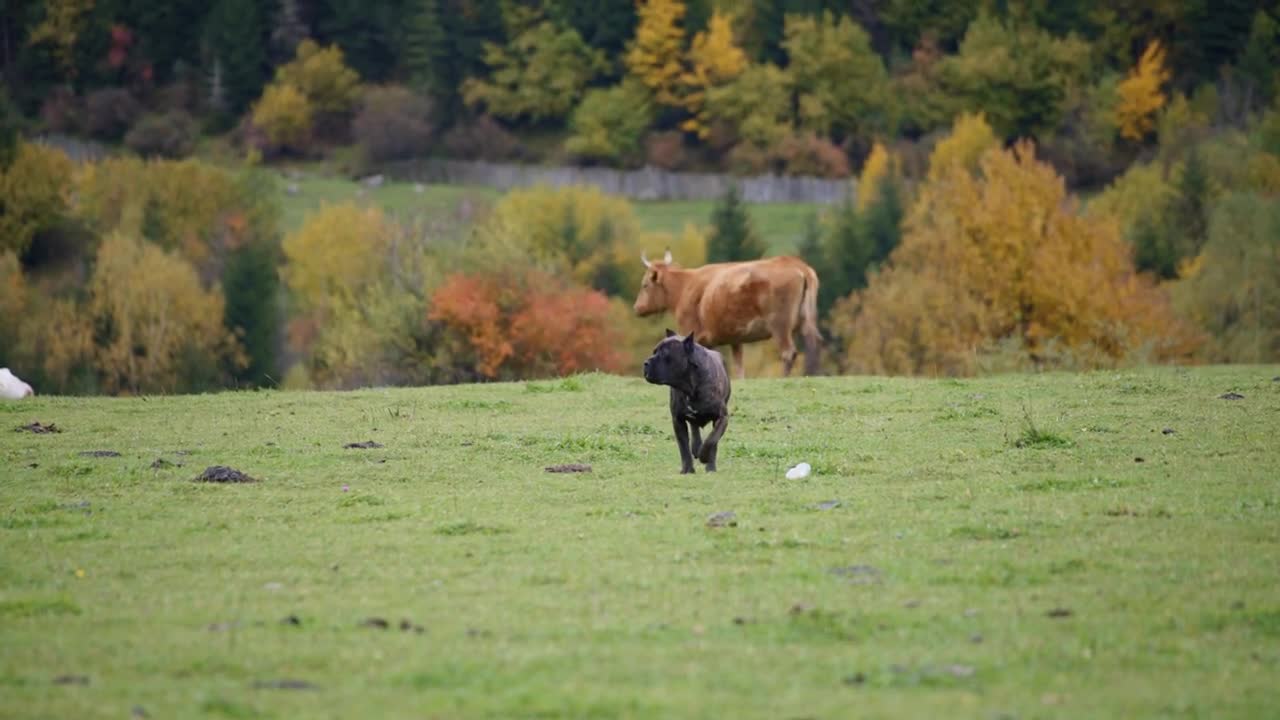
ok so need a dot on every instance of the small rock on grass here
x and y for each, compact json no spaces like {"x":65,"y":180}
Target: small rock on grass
{"x":99,"y":453}
{"x":1231,"y":396}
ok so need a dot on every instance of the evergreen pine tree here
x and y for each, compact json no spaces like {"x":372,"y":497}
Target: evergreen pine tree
{"x":1190,"y":214}
{"x":882,"y":220}
{"x":732,"y":238}
{"x":251,"y":282}
{"x":1153,"y":251}
{"x":9,"y":119}
{"x":425,"y":50}
{"x":288,"y":32}
{"x":848,"y":253}
{"x":237,"y":39}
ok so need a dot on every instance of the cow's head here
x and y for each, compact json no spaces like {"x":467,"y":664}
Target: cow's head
{"x":654,"y":295}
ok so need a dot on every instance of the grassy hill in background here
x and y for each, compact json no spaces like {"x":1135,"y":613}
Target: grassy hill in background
{"x":781,"y":225}
{"x":1062,"y":545}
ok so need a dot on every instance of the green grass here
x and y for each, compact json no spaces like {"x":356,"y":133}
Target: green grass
{"x":780,"y":224}
{"x":960,"y":575}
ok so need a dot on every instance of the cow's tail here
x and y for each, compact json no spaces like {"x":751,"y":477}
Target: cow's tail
{"x":809,"y":321}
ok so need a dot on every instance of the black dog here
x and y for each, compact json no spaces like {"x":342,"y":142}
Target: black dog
{"x":699,"y":395}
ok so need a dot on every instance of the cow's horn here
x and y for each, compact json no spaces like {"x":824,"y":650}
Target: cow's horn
{"x":644,"y":259}
{"x":667,"y":258}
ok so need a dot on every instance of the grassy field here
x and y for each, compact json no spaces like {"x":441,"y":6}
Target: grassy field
{"x":780,"y":224}
{"x":1100,"y":545}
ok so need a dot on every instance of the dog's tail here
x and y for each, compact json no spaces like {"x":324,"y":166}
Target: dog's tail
{"x":809,"y":321}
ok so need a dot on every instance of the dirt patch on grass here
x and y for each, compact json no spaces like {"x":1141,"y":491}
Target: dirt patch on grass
{"x":569,"y":468}
{"x":366,"y":445}
{"x":727,"y":518}
{"x":284,"y":684}
{"x":99,"y":453}
{"x":38,"y":428}
{"x":223,"y":474}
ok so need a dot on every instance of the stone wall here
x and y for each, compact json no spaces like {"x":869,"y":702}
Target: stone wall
{"x":646,"y":184}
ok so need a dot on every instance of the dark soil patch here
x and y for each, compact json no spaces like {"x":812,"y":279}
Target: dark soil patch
{"x":284,"y":684}
{"x":38,"y":429}
{"x":291,"y":620}
{"x":375,"y":622}
{"x":1231,"y":396}
{"x":366,"y":445}
{"x":1167,"y":431}
{"x":857,"y":574}
{"x":223,"y":474}
{"x":1060,"y":612}
{"x":161,"y":464}
{"x":99,"y":453}
{"x":570,"y":468}
{"x":727,"y":518}
{"x":71,"y":680}
{"x":407,"y":625}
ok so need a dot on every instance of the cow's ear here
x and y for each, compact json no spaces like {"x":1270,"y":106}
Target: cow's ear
{"x":688,"y":343}
{"x":670,"y":333}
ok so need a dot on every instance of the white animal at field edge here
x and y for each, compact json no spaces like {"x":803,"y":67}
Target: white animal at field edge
{"x":11,"y":387}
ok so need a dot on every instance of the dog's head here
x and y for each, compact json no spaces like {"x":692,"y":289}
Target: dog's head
{"x":671,"y":360}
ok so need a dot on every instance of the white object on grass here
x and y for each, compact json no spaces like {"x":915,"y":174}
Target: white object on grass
{"x":799,"y":471}
{"x":11,"y":387}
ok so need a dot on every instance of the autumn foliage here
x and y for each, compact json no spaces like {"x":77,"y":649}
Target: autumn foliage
{"x":1002,"y":257}
{"x":525,"y":325}
{"x":1141,"y":94}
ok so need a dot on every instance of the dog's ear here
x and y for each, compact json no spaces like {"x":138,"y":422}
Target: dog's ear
{"x":688,"y":343}
{"x":670,"y":333}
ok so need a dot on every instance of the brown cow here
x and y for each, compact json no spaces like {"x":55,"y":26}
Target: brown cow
{"x":739,"y":302}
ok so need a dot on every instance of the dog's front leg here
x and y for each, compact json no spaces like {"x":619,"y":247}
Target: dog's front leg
{"x":682,"y":442}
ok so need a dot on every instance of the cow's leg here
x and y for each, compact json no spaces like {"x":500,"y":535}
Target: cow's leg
{"x":696,"y":446}
{"x":682,"y":442}
{"x":739,"y":367}
{"x":712,"y":445}
{"x":786,"y":347}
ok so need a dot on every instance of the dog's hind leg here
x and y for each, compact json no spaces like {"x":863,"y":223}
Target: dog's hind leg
{"x":709,"y":448}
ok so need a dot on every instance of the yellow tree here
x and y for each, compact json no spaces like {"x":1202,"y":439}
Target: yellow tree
{"x":61,"y":28}
{"x":655,"y":55}
{"x":322,"y":75}
{"x":970,"y":138}
{"x":714,"y":59}
{"x":350,"y":313}
{"x":1003,"y":258}
{"x":34,"y":193}
{"x":284,"y":113}
{"x":1141,"y":94}
{"x":155,"y":315}
{"x":878,"y":165}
